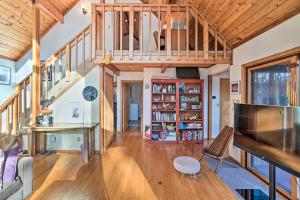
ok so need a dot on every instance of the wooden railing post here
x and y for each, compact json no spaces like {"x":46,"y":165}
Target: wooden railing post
{"x":141,"y":33}
{"x":93,"y":34}
{"x":15,"y":116}
{"x":35,"y":98}
{"x":121,"y":32}
{"x":216,"y":45}
{"x":158,"y":32}
{"x":205,"y":39}
{"x":8,"y":131}
{"x":131,"y":29}
{"x":68,"y":61}
{"x":169,"y":35}
{"x":187,"y":32}
{"x":196,"y":36}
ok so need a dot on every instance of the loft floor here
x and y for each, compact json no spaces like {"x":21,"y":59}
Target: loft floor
{"x":131,"y":169}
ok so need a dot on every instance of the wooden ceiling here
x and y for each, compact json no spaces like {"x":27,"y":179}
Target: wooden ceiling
{"x":241,"y":20}
{"x":16,"y":25}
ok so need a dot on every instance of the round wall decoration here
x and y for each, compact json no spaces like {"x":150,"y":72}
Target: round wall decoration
{"x":90,"y":93}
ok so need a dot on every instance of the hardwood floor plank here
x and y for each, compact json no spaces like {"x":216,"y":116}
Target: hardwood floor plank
{"x":130,"y":169}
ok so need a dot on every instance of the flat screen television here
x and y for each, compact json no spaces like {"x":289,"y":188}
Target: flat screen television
{"x":269,"y":132}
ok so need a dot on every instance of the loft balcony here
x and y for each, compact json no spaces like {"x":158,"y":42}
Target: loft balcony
{"x":155,"y":35}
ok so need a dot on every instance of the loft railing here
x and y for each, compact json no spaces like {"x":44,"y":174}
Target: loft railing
{"x":63,"y":68}
{"x":146,"y":33}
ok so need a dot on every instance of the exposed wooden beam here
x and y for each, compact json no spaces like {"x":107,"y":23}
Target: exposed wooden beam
{"x":113,"y":68}
{"x":164,"y":67}
{"x":35,"y":86}
{"x":51,"y":10}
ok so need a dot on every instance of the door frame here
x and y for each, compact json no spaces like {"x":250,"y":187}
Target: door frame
{"x":227,"y":79}
{"x":123,"y":82}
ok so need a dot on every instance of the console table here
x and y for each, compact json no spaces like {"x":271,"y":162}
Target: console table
{"x":37,"y":136}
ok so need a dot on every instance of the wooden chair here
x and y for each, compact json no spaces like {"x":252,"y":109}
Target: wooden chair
{"x":219,"y":146}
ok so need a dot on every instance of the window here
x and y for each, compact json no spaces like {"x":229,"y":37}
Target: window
{"x":270,"y":84}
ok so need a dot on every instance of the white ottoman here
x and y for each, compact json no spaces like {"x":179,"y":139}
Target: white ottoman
{"x":187,"y":165}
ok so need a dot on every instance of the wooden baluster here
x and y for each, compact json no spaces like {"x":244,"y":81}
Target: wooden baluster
{"x":83,"y":49}
{"x":150,"y":32}
{"x":53,"y":75}
{"x":91,"y":45}
{"x":224,"y":49}
{"x":169,"y":35}
{"x":103,"y":31}
{"x":46,"y":81}
{"x":196,"y":35}
{"x":178,"y":35}
{"x":18,"y":90}
{"x":121,"y":32}
{"x":216,"y":45}
{"x":60,"y":69}
{"x":93,"y":35}
{"x":114,"y":33}
{"x":25,"y":98}
{"x":187,"y":32}
{"x":205,"y":39}
{"x":68,"y":61}
{"x":76,"y":55}
{"x":7,"y":120}
{"x":159,"y":31}
{"x":131,"y":29}
{"x":141,"y":33}
{"x":31,"y":91}
{"x":15,"y":116}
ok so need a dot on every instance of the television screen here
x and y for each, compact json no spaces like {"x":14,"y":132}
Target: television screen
{"x":269,"y":132}
{"x":187,"y":73}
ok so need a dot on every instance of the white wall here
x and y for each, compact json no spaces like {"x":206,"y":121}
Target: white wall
{"x":91,"y":111}
{"x":280,"y":38}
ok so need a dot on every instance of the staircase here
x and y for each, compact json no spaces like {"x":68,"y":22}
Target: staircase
{"x":58,"y":74}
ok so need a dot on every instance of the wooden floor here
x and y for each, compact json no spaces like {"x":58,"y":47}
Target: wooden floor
{"x":131,"y":169}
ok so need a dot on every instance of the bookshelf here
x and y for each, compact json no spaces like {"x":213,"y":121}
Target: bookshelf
{"x":177,"y":110}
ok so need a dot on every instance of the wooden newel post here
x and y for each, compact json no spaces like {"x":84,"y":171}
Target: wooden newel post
{"x":35,"y":86}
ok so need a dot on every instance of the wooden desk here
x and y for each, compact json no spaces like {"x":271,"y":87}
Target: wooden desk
{"x":37,"y":136}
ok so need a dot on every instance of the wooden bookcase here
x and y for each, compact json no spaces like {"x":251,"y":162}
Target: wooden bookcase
{"x":177,"y":110}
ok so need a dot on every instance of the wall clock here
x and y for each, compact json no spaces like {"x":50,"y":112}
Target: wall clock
{"x":90,"y":93}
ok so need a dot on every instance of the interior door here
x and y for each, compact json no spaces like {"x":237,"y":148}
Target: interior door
{"x":108,"y":109}
{"x":224,"y":102}
{"x":125,"y":92}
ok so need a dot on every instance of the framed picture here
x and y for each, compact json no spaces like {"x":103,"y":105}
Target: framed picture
{"x":235,"y":87}
{"x":5,"y":75}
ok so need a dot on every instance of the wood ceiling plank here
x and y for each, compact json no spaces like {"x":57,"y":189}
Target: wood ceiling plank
{"x":237,"y":13}
{"x":232,"y":7}
{"x":216,"y":10}
{"x":13,"y":34}
{"x":210,"y":5}
{"x":220,"y":11}
{"x":256,"y":17}
{"x":290,"y":8}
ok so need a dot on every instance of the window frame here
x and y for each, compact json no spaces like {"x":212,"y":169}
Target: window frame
{"x":292,"y":57}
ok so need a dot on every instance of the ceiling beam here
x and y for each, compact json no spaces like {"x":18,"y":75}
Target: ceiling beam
{"x":164,"y":67}
{"x":51,"y":10}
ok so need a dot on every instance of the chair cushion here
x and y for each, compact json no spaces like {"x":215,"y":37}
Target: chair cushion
{"x":10,"y":164}
{"x":1,"y":167}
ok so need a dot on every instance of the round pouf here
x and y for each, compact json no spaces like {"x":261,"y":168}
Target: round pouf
{"x":187,"y":165}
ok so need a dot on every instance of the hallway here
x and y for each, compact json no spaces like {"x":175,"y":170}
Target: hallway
{"x":130,"y":169}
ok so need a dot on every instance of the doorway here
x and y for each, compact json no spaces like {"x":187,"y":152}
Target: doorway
{"x":219,"y":102}
{"x":132,"y":104}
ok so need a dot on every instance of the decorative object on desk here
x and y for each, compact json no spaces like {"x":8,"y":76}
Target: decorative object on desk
{"x":235,"y":87}
{"x":5,"y":75}
{"x":90,"y":93}
{"x":107,"y":58}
